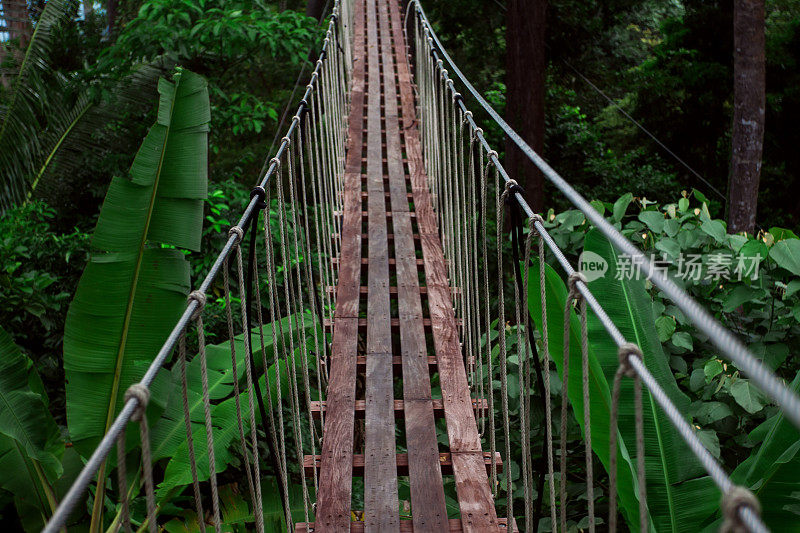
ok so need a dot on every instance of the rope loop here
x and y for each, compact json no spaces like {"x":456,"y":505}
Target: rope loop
{"x":200,"y":298}
{"x":142,"y":395}
{"x":625,"y":352}
{"x":239,"y":232}
{"x":286,"y":140}
{"x":734,"y":499}
{"x":532,"y":221}
{"x":277,"y":163}
{"x":295,"y":118}
{"x":512,"y":187}
{"x":572,"y":283}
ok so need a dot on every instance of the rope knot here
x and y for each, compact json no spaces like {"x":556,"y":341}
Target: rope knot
{"x":277,"y":163}
{"x":533,"y":220}
{"x":239,"y":232}
{"x":200,"y":298}
{"x":733,"y":500}
{"x":625,"y":352}
{"x":259,"y":192}
{"x":142,"y":395}
{"x":572,"y":283}
{"x":286,"y":140}
{"x":512,"y":187}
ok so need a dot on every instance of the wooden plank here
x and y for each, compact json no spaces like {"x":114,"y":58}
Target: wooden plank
{"x":365,"y":236}
{"x":399,"y":406}
{"x":394,"y":323}
{"x":400,"y":463}
{"x":424,"y":466}
{"x":394,"y":291}
{"x":406,"y":526}
{"x":335,"y":473}
{"x":381,"y":503}
{"x":397,"y":364}
{"x":365,"y":214}
{"x":472,"y":486}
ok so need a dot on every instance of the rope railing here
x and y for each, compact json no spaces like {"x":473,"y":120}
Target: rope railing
{"x":310,"y":163}
{"x":718,"y":334}
{"x":456,"y":167}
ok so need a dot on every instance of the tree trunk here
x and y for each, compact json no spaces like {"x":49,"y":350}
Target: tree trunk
{"x":314,"y":8}
{"x":525,"y":76}
{"x":749,"y":95}
{"x":18,"y":25}
{"x":111,"y":15}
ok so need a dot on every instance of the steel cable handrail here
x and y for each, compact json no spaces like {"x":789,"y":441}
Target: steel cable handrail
{"x":71,"y":498}
{"x":721,"y":337}
{"x":747,"y":515}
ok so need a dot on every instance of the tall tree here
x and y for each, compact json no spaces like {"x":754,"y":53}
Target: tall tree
{"x":17,"y":23}
{"x":315,"y":8}
{"x":749,"y":100}
{"x":525,"y":76}
{"x":17,"y":20}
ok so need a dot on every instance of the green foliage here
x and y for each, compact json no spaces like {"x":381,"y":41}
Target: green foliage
{"x":19,"y":143}
{"x":39,"y":268}
{"x":30,"y":441}
{"x":133,"y":290}
{"x":600,"y":405}
{"x":731,"y":415}
{"x":169,"y":433}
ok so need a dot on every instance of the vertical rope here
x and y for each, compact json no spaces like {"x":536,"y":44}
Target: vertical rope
{"x":626,"y":351}
{"x":546,"y":376}
{"x":122,"y":484}
{"x":198,"y":501}
{"x":501,"y":327}
{"x":200,"y":298}
{"x":488,"y":316}
{"x":279,"y":343}
{"x":142,"y":394}
{"x":234,"y":365}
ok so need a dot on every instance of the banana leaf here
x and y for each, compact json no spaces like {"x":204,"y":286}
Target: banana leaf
{"x":169,"y":434}
{"x":133,"y":289}
{"x":556,"y":297}
{"x":772,"y":472}
{"x":680,"y":494}
{"x":30,"y":441}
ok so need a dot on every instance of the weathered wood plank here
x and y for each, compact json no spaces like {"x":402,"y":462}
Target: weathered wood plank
{"x":399,"y":405}
{"x":335,"y":474}
{"x":406,"y":526}
{"x":381,"y":503}
{"x":400,"y":462}
{"x":425,"y":471}
{"x":472,"y":486}
{"x":394,"y":323}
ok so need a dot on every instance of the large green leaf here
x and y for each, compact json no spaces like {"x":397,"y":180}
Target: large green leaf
{"x":20,"y":125}
{"x":679,"y":492}
{"x":30,"y":442}
{"x":772,"y":472}
{"x":556,"y":297}
{"x":133,"y":289}
{"x":169,"y":434}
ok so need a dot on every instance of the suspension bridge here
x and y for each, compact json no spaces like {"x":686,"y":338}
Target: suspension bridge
{"x":387,"y":338}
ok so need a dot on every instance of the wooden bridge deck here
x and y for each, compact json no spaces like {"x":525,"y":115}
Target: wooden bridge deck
{"x":384,"y":314}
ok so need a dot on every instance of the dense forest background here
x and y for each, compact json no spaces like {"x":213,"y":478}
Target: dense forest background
{"x":667,"y":65}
